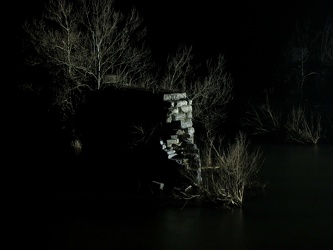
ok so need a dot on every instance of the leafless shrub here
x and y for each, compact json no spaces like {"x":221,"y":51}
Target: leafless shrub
{"x":77,"y":146}
{"x":303,"y":127}
{"x":262,"y":118}
{"x":231,"y":170}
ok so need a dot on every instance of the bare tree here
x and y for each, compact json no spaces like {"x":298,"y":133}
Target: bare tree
{"x":303,"y":54}
{"x":211,"y":94}
{"x":55,"y":38}
{"x":312,"y":52}
{"x":114,"y":43}
{"x":88,"y":45}
{"x":179,"y":69}
{"x":325,"y":42}
{"x":210,"y":91}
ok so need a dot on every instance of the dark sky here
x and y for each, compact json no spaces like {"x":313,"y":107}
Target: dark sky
{"x":209,"y":22}
{"x":223,"y":25}
{"x":245,"y":31}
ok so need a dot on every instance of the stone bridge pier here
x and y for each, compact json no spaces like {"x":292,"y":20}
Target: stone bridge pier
{"x":178,"y":137}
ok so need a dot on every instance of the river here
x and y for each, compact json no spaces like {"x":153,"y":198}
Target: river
{"x":295,"y":211}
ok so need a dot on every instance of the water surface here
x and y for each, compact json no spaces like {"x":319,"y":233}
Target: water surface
{"x":294,"y":212}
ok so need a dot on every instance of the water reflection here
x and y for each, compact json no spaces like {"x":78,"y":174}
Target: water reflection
{"x":200,"y":228}
{"x":294,"y":212}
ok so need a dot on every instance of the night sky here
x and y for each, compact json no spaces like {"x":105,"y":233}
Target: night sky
{"x":249,"y":33}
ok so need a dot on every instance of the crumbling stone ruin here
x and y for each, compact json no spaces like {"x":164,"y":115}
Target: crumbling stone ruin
{"x":178,"y":138}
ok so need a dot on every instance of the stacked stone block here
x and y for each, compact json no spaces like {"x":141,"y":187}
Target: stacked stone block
{"x":178,"y":137}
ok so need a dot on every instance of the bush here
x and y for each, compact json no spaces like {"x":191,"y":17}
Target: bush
{"x":303,"y":126}
{"x":300,"y":124}
{"x":233,"y":168}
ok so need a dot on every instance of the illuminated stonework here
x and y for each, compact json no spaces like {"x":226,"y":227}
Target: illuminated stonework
{"x":178,"y":139}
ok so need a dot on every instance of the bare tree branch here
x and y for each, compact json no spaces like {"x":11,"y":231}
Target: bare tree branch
{"x":178,"y":69}
{"x":212,"y":94}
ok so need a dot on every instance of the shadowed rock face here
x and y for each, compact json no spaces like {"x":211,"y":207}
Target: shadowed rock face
{"x":120,"y":131}
{"x":128,"y":137}
{"x":119,"y":144}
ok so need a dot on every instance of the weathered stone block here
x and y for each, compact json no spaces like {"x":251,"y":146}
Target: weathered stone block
{"x":180,"y":132}
{"x":189,"y":115}
{"x":171,"y":142}
{"x":174,"y":96}
{"x":186,"y":108}
{"x":174,"y":111}
{"x":190,"y":130}
{"x":186,"y":123}
{"x":182,"y":103}
{"x":179,"y":117}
